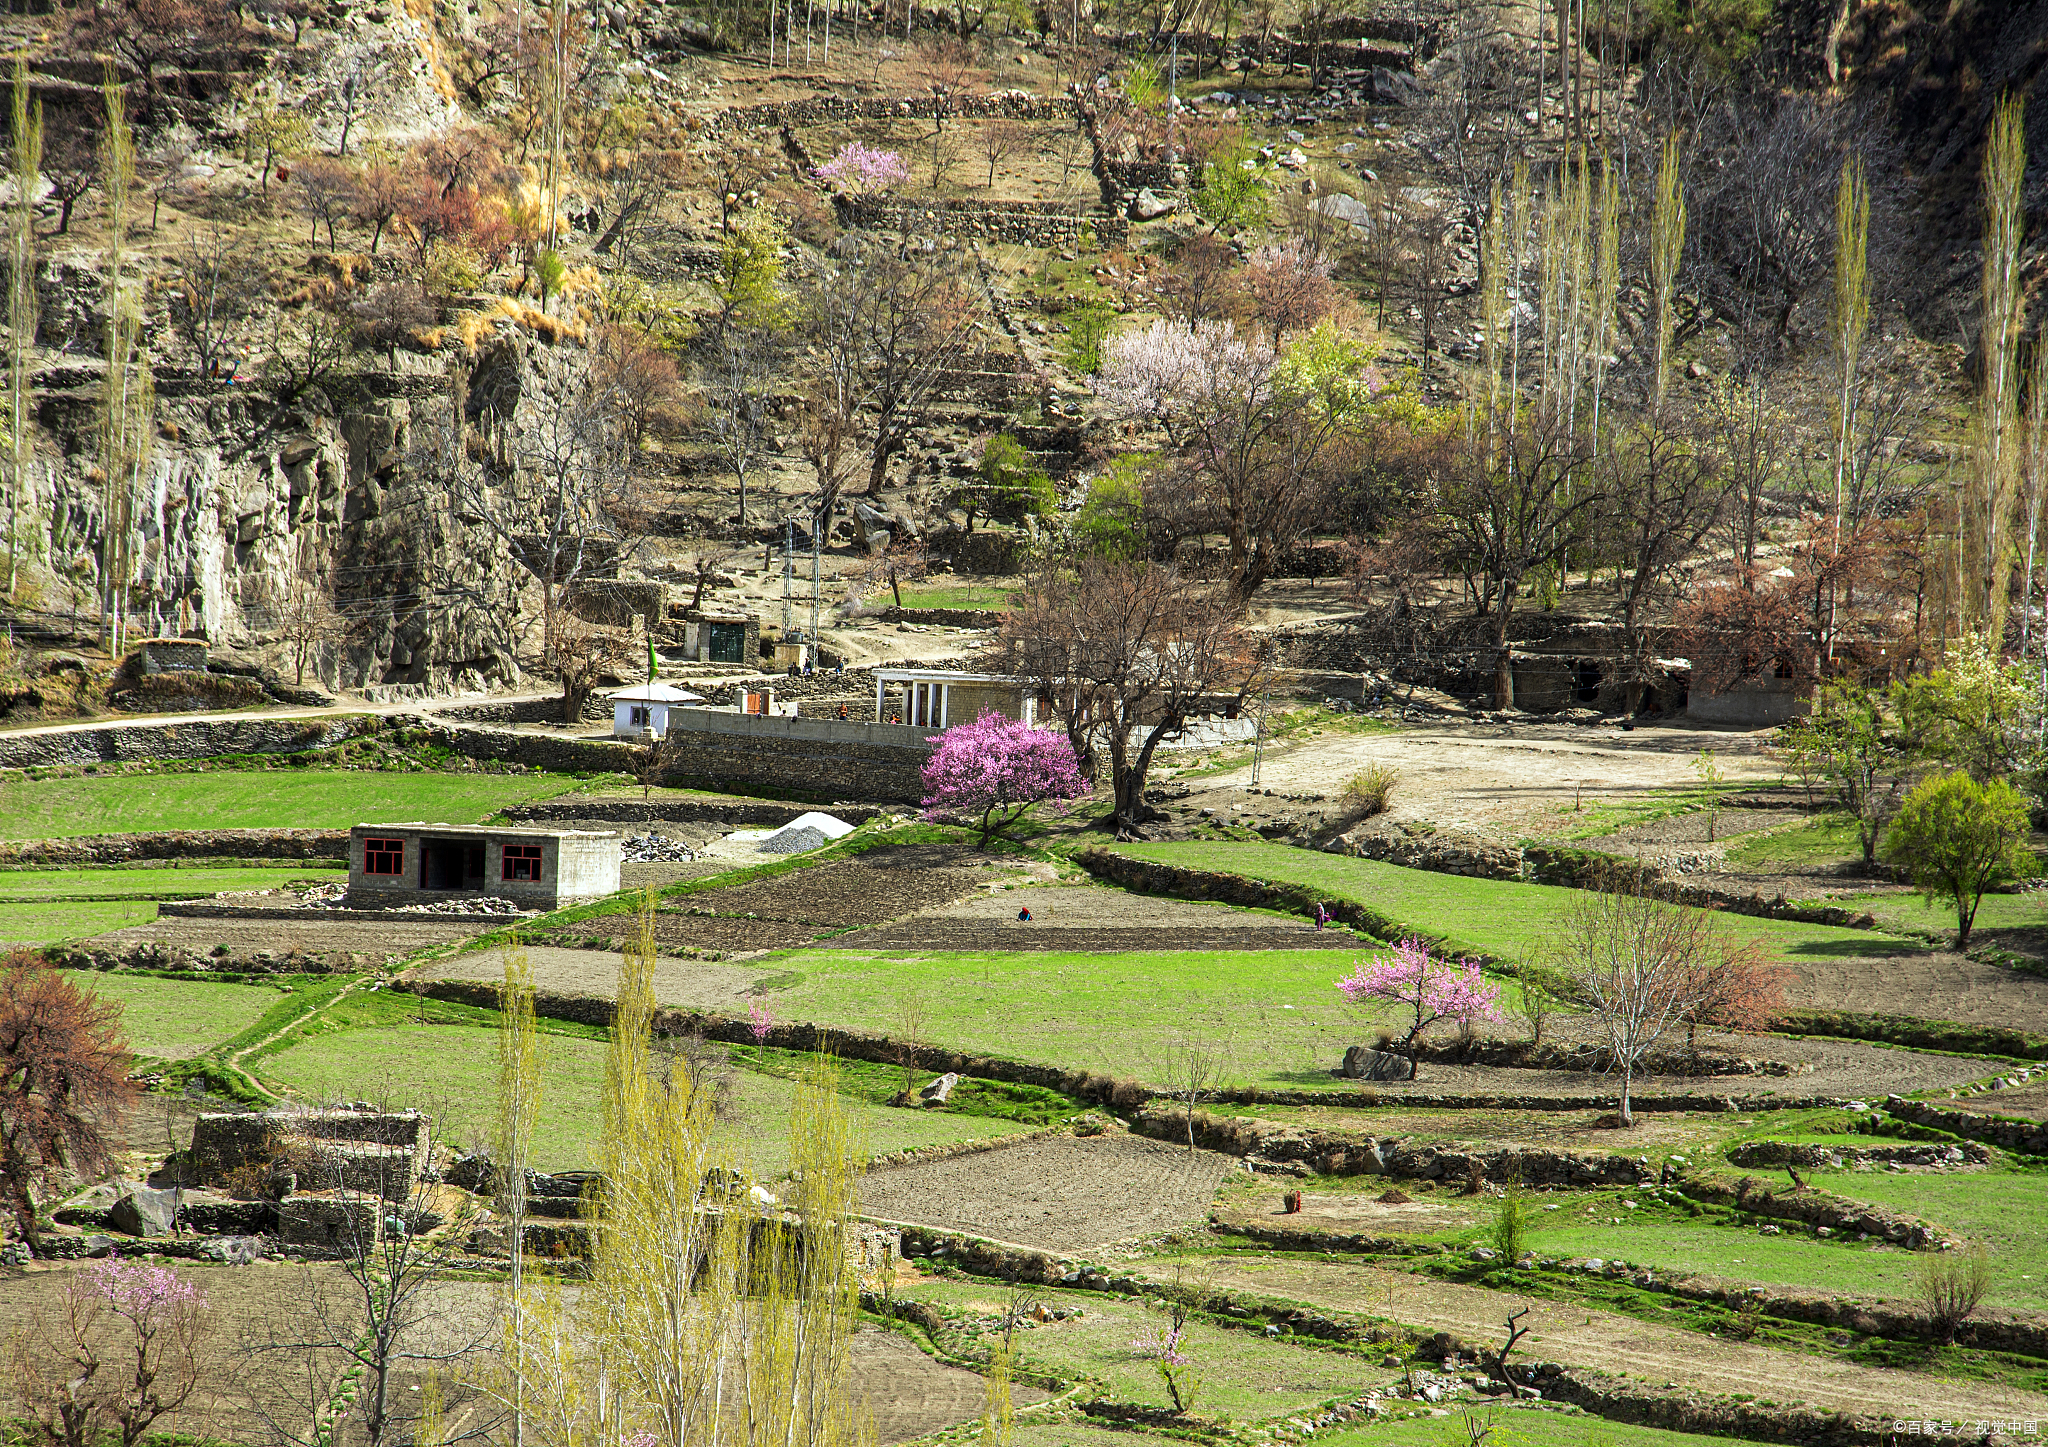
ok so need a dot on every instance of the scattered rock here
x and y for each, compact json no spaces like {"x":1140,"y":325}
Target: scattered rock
{"x":653,"y":848}
{"x":940,"y":1090}
{"x":1362,"y":1062}
{"x":139,"y":1211}
{"x":1146,"y":206}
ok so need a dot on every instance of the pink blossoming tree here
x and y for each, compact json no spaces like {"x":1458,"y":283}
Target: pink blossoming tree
{"x":1433,"y":988}
{"x":123,"y":1351}
{"x":992,"y":771}
{"x":861,"y":169}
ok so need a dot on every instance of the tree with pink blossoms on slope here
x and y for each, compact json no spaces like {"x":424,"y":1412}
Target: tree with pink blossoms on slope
{"x":861,"y":169}
{"x":122,"y":1348}
{"x":1432,"y":988}
{"x":992,"y":771}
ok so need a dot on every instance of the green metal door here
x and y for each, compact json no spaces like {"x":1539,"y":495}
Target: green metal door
{"x":728,"y":642}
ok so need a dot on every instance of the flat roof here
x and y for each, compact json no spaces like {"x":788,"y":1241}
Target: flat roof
{"x":950,"y":675}
{"x":655,"y":693}
{"x":509,"y":831}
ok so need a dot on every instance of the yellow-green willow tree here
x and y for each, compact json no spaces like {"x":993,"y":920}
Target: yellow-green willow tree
{"x":126,"y":419}
{"x":711,"y":1318}
{"x":1988,"y":498}
{"x":1848,"y":323}
{"x":27,"y":137}
{"x":520,"y":1070}
{"x":1667,"y":253}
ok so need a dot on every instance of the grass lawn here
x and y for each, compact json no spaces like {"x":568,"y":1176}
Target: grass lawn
{"x":258,"y":799}
{"x":989,"y":596}
{"x":177,"y":1019}
{"x":1274,"y":1016}
{"x":1244,"y":1375}
{"x":1517,"y":1427}
{"x":1513,"y":921}
{"x":450,"y":1071}
{"x":153,"y":883}
{"x":2004,"y":1209}
{"x":1830,"y":839}
{"x":1996,"y":912}
{"x":47,"y":923}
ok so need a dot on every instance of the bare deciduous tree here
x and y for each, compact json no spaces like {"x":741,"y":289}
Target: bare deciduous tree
{"x":1127,"y":654}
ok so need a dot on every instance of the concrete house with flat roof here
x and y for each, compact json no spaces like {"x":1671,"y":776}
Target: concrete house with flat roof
{"x":417,"y":863}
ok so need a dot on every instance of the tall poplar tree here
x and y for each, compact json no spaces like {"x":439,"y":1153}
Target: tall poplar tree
{"x":27,"y":136}
{"x":1989,"y":491}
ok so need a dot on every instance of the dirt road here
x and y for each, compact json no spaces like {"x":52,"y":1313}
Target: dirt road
{"x":1620,"y":1345}
{"x":1509,"y":778}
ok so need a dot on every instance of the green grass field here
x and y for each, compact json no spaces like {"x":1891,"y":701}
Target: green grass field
{"x":1830,"y":839}
{"x":1996,"y":912}
{"x":1244,"y":1374}
{"x":1514,"y":921}
{"x":450,"y":1071}
{"x":166,"y":883}
{"x":47,"y":923}
{"x":988,"y":596}
{"x":257,"y":799}
{"x":1517,"y":1427}
{"x":1272,"y":1016}
{"x":177,"y":1019}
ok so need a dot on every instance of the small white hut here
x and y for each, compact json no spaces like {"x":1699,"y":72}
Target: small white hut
{"x":645,"y":706}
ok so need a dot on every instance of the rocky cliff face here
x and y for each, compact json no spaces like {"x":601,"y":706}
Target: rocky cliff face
{"x":270,"y":519}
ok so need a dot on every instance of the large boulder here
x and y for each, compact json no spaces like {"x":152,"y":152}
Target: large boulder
{"x":139,"y":1211}
{"x":1146,"y":206}
{"x":1362,"y":1062}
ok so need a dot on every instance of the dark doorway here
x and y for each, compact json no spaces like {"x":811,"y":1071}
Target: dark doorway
{"x":728,"y":642}
{"x":451,"y":864}
{"x":1588,"y":680}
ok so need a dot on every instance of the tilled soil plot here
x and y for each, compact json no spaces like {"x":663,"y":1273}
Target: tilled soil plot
{"x":1575,"y":1335}
{"x":910,"y":1394}
{"x":235,"y":1395}
{"x":679,"y":931}
{"x":2029,"y":1102}
{"x":1092,"y":918}
{"x":337,"y":943}
{"x":1900,"y":978}
{"x":685,"y":984}
{"x":882,"y":884}
{"x":1056,"y":1193}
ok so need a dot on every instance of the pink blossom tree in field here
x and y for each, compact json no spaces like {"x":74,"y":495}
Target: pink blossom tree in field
{"x":1434,"y":988}
{"x":123,"y":1350}
{"x":992,"y":771}
{"x":862,"y":170}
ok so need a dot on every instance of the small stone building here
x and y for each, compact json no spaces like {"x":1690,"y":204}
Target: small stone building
{"x":398,"y":864}
{"x":939,"y":697}
{"x":717,"y":635}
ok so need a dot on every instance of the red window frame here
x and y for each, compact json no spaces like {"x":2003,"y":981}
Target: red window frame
{"x":384,"y":856}
{"x":520,"y":862}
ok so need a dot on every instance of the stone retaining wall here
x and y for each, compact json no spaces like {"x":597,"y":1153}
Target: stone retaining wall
{"x":833,"y":767}
{"x":1014,"y":223}
{"x":1814,"y":1208}
{"x":2022,"y":1136}
{"x":943,"y":617}
{"x":101,"y":849}
{"x":689,"y":811}
{"x":1779,"y":1153}
{"x":200,"y":739}
{"x":816,"y":110}
{"x":1353,"y":1153}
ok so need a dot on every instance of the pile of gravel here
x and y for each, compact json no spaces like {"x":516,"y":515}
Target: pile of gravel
{"x":792,"y":841}
{"x":654,"y":849}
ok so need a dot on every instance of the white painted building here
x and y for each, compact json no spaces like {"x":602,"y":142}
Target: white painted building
{"x":645,"y":706}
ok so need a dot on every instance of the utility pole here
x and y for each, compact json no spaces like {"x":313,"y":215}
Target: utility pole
{"x":817,"y":542}
{"x":788,"y":567}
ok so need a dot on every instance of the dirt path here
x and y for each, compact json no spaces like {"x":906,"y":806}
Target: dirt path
{"x":1511,"y":778}
{"x":1581,"y":1337}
